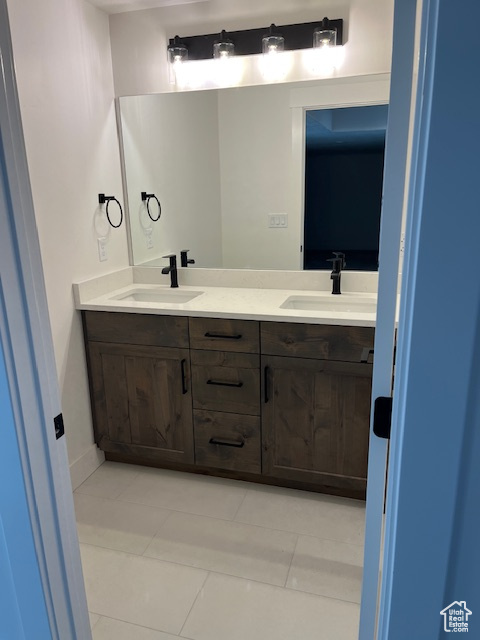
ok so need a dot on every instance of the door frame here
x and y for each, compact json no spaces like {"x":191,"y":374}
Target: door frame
{"x":31,"y":372}
{"x":398,"y":158}
{"x":336,"y":93}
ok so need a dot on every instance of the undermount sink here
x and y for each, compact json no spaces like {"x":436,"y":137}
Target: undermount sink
{"x":338,"y":303}
{"x":164,"y":296}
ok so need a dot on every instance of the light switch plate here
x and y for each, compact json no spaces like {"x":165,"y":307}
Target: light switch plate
{"x":278,"y":220}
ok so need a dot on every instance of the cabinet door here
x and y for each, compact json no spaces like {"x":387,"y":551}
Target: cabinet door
{"x":315,"y":421}
{"x":142,"y":400}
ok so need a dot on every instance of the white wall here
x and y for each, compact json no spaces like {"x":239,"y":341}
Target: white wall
{"x":171,"y":149}
{"x":255,"y":134}
{"x":139,"y":38}
{"x":64,"y":74}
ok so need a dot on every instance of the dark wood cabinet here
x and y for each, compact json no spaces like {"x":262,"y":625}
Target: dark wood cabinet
{"x":141,"y":395}
{"x":284,"y":403}
{"x":224,"y":381}
{"x":315,"y":421}
{"x":227,"y":441}
{"x":226,"y":393}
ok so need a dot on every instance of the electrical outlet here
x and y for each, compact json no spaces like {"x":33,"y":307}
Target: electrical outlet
{"x":149,"y":241}
{"x":102,"y":249}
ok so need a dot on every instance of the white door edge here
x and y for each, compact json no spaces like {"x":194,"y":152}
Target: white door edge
{"x":25,"y":332}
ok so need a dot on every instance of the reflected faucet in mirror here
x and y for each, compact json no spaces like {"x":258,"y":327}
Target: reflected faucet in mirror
{"x":183,"y":258}
{"x":338,"y":264}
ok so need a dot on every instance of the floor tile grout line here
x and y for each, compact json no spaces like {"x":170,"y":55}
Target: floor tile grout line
{"x":180,"y":564}
{"x":240,"y":505}
{"x":261,"y":526}
{"x":291,"y":560}
{"x":276,"y":586}
{"x":172,"y":512}
{"x":96,"y":621}
{"x":193,"y":603}
{"x":156,"y":534}
{"x":255,"y":486}
{"x":135,"y":624}
{"x":220,"y":573}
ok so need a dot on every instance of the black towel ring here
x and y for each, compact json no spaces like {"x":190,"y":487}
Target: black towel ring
{"x":146,"y":197}
{"x":102,"y":199}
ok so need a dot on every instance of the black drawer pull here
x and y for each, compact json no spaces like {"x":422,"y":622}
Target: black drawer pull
{"x":220,"y":383}
{"x":227,"y":443}
{"x":184,"y":382}
{"x":266,"y":372}
{"x":365,"y":354}
{"x":222,"y":335}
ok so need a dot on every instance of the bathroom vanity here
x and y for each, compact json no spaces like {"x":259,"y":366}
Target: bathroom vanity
{"x":276,"y":401}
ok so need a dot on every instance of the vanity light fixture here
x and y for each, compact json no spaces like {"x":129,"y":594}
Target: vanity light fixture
{"x":223,"y":48}
{"x":251,"y":41}
{"x":325,"y":56}
{"x":275,"y":63}
{"x":273,"y":42}
{"x":325,"y":35}
{"x":177,"y":54}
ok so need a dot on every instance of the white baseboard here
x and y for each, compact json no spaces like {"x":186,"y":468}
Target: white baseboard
{"x":85,"y":465}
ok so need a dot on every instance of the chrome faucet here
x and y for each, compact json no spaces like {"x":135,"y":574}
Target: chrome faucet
{"x":338,"y":264}
{"x":172,"y":270}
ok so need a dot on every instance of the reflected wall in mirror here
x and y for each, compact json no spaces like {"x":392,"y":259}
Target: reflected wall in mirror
{"x":222,"y":163}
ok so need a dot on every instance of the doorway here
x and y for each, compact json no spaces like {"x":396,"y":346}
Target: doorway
{"x":344,"y":158}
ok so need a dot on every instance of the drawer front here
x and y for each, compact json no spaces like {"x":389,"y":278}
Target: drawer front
{"x":227,"y":441}
{"x":218,"y":334}
{"x":324,"y":342}
{"x":223,"y":381}
{"x":135,"y":328}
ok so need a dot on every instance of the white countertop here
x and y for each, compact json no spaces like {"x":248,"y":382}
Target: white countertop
{"x":101,"y":294}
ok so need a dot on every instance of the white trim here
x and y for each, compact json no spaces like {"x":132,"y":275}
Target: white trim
{"x":396,"y":161}
{"x":356,"y":91}
{"x":31,"y":371}
{"x":343,"y":92}
{"x":85,"y":465}
{"x":297,"y":171}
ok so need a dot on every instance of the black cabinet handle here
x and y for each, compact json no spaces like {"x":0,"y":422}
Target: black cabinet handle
{"x":184,"y":381}
{"x":266,"y":372}
{"x":220,"y":383}
{"x":227,"y":443}
{"x":365,"y":354}
{"x":221,"y":335}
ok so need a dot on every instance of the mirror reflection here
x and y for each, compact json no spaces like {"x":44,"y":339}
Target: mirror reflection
{"x":220,"y":163}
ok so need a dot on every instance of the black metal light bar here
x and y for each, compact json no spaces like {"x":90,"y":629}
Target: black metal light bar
{"x":249,"y":41}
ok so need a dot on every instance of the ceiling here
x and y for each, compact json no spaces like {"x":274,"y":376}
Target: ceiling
{"x":121,"y":6}
{"x":347,"y":129}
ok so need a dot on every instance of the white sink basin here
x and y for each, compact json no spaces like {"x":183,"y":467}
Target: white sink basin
{"x":163,"y":296}
{"x":341,"y":303}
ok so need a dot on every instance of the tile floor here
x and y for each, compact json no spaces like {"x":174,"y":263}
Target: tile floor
{"x":174,"y":555}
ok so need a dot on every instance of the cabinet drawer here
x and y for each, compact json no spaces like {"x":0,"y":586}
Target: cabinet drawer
{"x":324,"y":342}
{"x":219,"y":334}
{"x":135,"y":328}
{"x":227,"y":441}
{"x":223,"y":381}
